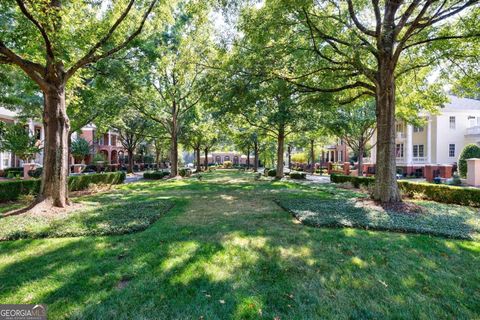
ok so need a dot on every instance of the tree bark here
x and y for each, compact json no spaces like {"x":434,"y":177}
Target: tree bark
{"x":361,"y":150}
{"x":199,"y":165}
{"x":130,"y":161}
{"x":206,"y":159}
{"x":55,"y":164}
{"x":174,"y":155}
{"x":312,"y":154}
{"x":289,"y":150}
{"x":280,"y":151}
{"x":255,"y":151}
{"x":248,"y":158}
{"x":386,"y":187}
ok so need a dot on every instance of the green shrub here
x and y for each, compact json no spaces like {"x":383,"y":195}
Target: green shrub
{"x":36,"y":173}
{"x":298,"y":175}
{"x":442,"y":193}
{"x":470,"y":151}
{"x":434,"y":192}
{"x":155,"y":175}
{"x":12,"y":190}
{"x":81,"y":182}
{"x":185,"y":172}
{"x":272,"y":173}
{"x":356,"y":181}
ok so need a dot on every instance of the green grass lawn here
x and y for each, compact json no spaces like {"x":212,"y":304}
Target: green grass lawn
{"x":227,"y":250}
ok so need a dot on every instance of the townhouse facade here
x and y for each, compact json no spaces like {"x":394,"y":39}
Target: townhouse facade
{"x":107,"y":144}
{"x":440,"y":141}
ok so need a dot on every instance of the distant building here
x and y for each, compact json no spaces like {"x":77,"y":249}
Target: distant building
{"x":220,"y":157}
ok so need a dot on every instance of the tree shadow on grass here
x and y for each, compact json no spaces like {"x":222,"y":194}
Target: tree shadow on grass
{"x":244,"y":265}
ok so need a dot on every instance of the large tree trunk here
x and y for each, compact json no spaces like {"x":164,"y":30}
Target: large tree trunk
{"x":386,"y":188}
{"x":199,"y":165}
{"x":255,"y":155}
{"x":174,"y":156}
{"x":289,"y":150}
{"x":130,"y":161}
{"x":361,"y":150}
{"x":248,"y":158}
{"x":206,"y":159}
{"x":280,"y":151}
{"x":54,"y":189}
{"x":312,"y":155}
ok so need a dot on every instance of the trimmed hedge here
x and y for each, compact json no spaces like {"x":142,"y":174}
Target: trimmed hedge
{"x":12,"y":190}
{"x":185,"y":172}
{"x":272,"y":173}
{"x":356,"y":181}
{"x":156,"y":175}
{"x":434,"y":192}
{"x":298,"y":175}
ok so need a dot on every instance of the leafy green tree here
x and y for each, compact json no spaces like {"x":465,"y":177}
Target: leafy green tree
{"x":380,"y":42}
{"x":80,"y":148}
{"x":470,"y":151}
{"x":17,"y":139}
{"x":356,"y":126}
{"x":50,"y":41}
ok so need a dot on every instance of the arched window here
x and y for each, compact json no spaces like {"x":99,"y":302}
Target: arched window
{"x":226,"y":158}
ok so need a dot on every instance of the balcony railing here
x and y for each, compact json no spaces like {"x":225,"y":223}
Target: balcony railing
{"x":475,"y":130}
{"x":419,"y":159}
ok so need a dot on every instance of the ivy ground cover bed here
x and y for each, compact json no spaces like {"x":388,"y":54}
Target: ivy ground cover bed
{"x":450,"y":221}
{"x":103,"y":214}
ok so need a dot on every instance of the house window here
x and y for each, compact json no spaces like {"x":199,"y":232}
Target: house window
{"x":451,"y":150}
{"x":6,"y":160}
{"x":415,"y":151}
{"x":399,"y":127}
{"x":417,"y":129}
{"x":452,"y":122}
{"x":38,"y":133}
{"x":399,"y":150}
{"x":420,"y":150}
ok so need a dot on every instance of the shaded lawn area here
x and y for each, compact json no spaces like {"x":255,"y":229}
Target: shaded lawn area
{"x":227,"y":251}
{"x":103,"y":214}
{"x":451,"y":221}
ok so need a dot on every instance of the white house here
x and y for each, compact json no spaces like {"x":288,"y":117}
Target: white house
{"x":441,"y":140}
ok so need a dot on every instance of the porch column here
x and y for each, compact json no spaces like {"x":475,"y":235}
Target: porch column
{"x":1,"y":160}
{"x":109,"y":138}
{"x":429,"y":141}
{"x":31,"y":128}
{"x":409,"y":145}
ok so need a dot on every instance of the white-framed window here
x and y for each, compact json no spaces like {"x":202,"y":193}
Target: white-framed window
{"x":452,"y":122}
{"x":417,"y":129}
{"x":6,"y":159}
{"x":399,"y":150}
{"x":399,"y":127}
{"x":451,"y":150}
{"x":418,"y":150}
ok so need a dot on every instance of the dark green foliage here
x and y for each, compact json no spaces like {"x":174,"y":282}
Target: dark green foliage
{"x":298,"y":175}
{"x":470,"y":151}
{"x":155,"y":175}
{"x":100,"y":216}
{"x":12,"y":172}
{"x":356,"y":181}
{"x":435,"y":192}
{"x":80,"y":148}
{"x":185,"y":172}
{"x":448,"y":221}
{"x":11,"y":190}
{"x":81,"y":182}
{"x":271,"y":172}
{"x":442,"y":193}
{"x":36,"y":173}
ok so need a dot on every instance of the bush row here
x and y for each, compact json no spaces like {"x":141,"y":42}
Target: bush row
{"x":155,"y":175}
{"x":356,"y":181}
{"x":185,"y":172}
{"x":297,"y":175}
{"x":435,"y":192}
{"x":12,"y":190}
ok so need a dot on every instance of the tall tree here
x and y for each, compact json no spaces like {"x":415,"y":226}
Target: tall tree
{"x":379,"y":42}
{"x":132,"y":130}
{"x":72,"y":35}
